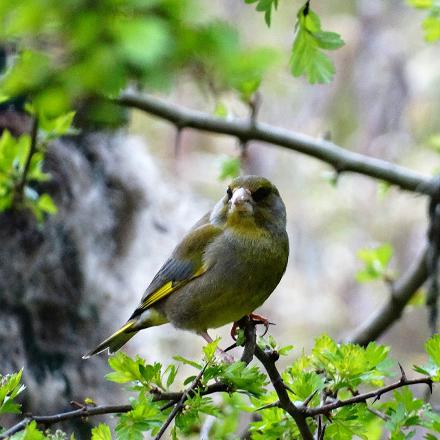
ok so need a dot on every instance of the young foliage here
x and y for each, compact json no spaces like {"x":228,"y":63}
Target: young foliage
{"x":331,"y":374}
{"x":265,"y":6}
{"x":310,"y":41}
{"x":21,"y":164}
{"x":101,"y":432}
{"x":431,"y":23}
{"x":376,"y":262}
{"x":229,"y":167}
{"x":31,"y":432}
{"x":10,"y":388}
{"x":432,"y":368}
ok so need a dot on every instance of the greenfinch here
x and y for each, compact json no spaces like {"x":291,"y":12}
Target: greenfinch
{"x":223,"y":269}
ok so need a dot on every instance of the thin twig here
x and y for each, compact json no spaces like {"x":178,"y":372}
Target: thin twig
{"x":377,"y":413}
{"x":339,"y":158}
{"x":69,"y":415}
{"x":181,"y":403}
{"x":376,"y":395}
{"x":19,"y":189}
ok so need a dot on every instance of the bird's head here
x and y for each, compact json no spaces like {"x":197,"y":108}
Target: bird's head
{"x":250,"y":201}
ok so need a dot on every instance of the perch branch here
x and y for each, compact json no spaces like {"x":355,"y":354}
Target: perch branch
{"x":341,"y":159}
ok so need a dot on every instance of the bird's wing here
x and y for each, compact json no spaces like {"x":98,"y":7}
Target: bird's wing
{"x":185,"y":264}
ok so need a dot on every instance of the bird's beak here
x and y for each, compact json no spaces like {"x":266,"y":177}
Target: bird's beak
{"x":241,"y":200}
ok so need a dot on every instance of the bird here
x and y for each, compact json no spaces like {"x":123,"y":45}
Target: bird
{"x":223,"y":269}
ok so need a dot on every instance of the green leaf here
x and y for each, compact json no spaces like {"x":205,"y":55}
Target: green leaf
{"x":306,"y":383}
{"x":266,"y":7}
{"x":246,"y":378}
{"x":284,"y":351}
{"x":30,"y":433}
{"x":229,"y":167}
{"x":188,"y":362}
{"x":10,"y":388}
{"x":421,"y":4}
{"x":101,"y":432}
{"x":210,"y":349}
{"x":134,"y":370}
{"x":431,"y":26}
{"x":46,"y":204}
{"x":348,"y":423}
{"x":135,"y":33}
{"x":307,"y":57}
{"x":188,"y":420}
{"x":145,"y":416}
{"x":172,"y":372}
{"x":328,"y":40}
{"x":189,"y":380}
{"x":376,"y":262}
{"x":432,"y":347}
{"x":221,"y":110}
{"x":57,"y":126}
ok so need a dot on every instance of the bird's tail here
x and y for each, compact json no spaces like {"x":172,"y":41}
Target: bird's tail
{"x":116,"y":340}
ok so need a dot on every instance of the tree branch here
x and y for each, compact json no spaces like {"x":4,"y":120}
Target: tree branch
{"x":377,"y":394}
{"x":268,"y":359}
{"x":341,"y":159}
{"x":401,"y":292}
{"x":86,"y":411}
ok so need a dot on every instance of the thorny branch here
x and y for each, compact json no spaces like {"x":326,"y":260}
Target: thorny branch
{"x":340,"y":159}
{"x":268,"y":358}
{"x":361,"y":398}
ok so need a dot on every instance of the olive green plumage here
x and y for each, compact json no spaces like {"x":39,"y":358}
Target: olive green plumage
{"x":223,"y":269}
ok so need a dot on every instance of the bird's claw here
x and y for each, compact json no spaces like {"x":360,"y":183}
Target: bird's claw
{"x":257,"y":319}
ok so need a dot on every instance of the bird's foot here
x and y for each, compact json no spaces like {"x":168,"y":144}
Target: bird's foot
{"x":258,"y":319}
{"x":234,"y":330}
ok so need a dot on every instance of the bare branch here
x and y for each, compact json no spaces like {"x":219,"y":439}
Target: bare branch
{"x":401,"y":292}
{"x":341,"y":159}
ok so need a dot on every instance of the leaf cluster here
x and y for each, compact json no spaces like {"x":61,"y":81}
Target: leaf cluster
{"x":21,"y":166}
{"x":431,"y":23}
{"x":330,"y":373}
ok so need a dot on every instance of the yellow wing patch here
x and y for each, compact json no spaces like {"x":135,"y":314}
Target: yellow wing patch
{"x":168,"y":288}
{"x":165,"y":290}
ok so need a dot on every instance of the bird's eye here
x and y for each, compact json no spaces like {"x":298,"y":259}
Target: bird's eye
{"x":229,"y":192}
{"x":261,"y":193}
